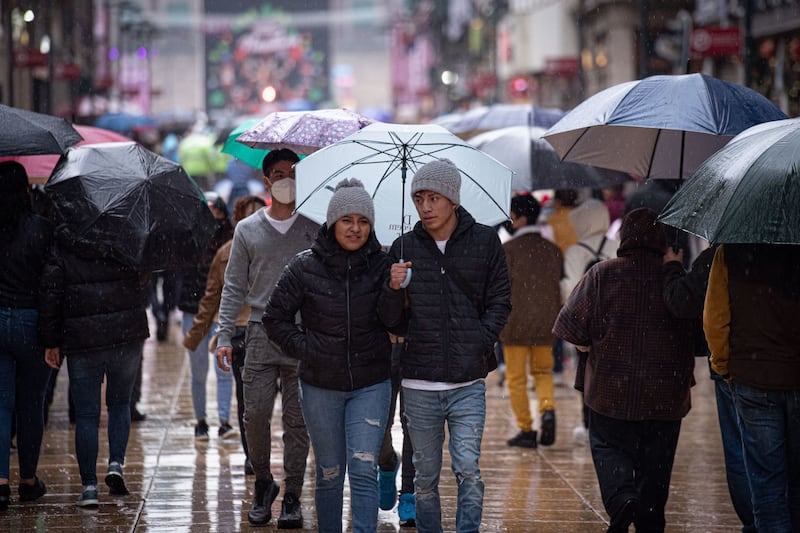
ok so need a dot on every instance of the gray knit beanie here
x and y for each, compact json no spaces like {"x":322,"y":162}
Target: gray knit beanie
{"x":440,"y":176}
{"x":350,"y":197}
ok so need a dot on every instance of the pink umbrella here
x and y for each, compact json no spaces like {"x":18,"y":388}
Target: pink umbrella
{"x":39,"y":167}
{"x":304,"y":132}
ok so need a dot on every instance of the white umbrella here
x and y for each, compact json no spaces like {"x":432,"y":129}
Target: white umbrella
{"x":385,"y":158}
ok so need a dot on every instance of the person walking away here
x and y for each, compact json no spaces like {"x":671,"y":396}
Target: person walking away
{"x":94,"y":315}
{"x":192,"y":289}
{"x":535,"y":266}
{"x":752,"y":327}
{"x":459,"y":299}
{"x":263,"y":244}
{"x":344,"y":353}
{"x":638,"y":374}
{"x":24,"y":241}
{"x":591,"y":220}
{"x":207,"y":313}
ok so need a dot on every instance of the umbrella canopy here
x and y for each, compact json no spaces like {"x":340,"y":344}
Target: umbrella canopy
{"x":469,"y":123}
{"x":127,"y":202}
{"x":39,"y":167}
{"x":303,"y":132}
{"x":243,"y":152}
{"x":748,"y":192}
{"x":124,"y":123}
{"x":535,"y":163}
{"x":385,"y":158}
{"x":28,"y":133}
{"x":660,"y":127}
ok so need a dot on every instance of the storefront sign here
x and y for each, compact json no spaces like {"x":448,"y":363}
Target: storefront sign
{"x":715,"y":42}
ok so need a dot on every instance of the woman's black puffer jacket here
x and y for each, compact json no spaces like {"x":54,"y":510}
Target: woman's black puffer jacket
{"x":341,"y":343}
{"x":90,"y":303}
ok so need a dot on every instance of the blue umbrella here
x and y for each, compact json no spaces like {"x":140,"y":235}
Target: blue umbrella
{"x":124,"y":123}
{"x":660,"y":127}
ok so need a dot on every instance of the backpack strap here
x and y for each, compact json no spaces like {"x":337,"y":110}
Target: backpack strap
{"x":599,"y":250}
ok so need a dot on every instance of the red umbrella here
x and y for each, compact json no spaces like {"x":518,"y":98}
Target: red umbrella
{"x":39,"y":167}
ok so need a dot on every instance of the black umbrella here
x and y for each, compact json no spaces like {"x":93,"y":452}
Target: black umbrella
{"x":132,"y":204}
{"x":29,"y":133}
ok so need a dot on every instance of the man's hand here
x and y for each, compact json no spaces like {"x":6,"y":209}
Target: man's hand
{"x":52,"y":356}
{"x":224,"y":358}
{"x":398,"y":274}
{"x":672,"y":255}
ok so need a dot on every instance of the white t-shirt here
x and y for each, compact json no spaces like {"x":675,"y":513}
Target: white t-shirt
{"x":281,"y":226}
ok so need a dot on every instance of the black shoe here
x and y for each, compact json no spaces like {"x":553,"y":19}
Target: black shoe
{"x":5,"y":496}
{"x":291,"y":514}
{"x":201,"y":431}
{"x":260,"y":512}
{"x":524,"y":439}
{"x":625,"y":517}
{"x":548,"y":428}
{"x":28,"y":493}
{"x":136,"y":416}
{"x":161,"y":330}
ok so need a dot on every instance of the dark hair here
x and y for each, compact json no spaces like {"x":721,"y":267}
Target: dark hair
{"x":242,"y":203}
{"x":567,"y":197}
{"x":14,"y":197}
{"x":525,"y":205}
{"x":282,"y":154}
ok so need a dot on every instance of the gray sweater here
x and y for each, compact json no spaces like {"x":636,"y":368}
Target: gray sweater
{"x":258,"y":255}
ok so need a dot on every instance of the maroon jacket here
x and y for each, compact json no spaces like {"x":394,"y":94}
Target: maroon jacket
{"x":641,"y":362}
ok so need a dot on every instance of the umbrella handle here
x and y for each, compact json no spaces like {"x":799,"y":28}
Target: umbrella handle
{"x":406,"y":281}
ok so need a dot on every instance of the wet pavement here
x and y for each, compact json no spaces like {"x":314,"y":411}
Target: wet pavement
{"x":178,"y":485}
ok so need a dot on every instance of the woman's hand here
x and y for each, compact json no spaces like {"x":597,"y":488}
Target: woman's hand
{"x":52,"y":356}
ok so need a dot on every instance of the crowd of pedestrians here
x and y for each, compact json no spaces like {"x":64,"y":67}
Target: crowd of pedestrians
{"x":326,"y":318}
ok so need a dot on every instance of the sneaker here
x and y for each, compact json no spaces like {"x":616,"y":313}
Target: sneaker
{"x":226,"y":431}
{"x":387,"y":486}
{"x":88,"y":497}
{"x":248,"y":468}
{"x":407,"y":510}
{"x":548,"y":429}
{"x":136,"y":415}
{"x":524,"y":439}
{"x":201,"y":431}
{"x":5,"y":496}
{"x":291,"y":513}
{"x":260,"y":511}
{"x":580,"y":435}
{"x":115,"y":481}
{"x":28,"y":493}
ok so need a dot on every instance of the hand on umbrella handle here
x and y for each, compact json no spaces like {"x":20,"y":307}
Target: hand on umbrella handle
{"x":400,"y":275}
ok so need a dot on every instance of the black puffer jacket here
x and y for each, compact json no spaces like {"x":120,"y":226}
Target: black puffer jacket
{"x":90,"y":303}
{"x":342,"y":344}
{"x":448,"y":337}
{"x":193,"y":280}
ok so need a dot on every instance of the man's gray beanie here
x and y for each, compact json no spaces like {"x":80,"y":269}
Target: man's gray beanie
{"x":440,"y":176}
{"x":350,"y":198}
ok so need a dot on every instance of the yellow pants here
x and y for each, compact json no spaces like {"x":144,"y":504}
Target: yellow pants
{"x":540,"y":360}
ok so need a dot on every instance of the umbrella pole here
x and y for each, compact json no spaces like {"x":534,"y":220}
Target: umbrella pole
{"x":403,"y":172}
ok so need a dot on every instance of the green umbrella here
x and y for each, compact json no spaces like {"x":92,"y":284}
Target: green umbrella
{"x":242,"y":152}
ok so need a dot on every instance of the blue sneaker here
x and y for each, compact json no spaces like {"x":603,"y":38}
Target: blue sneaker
{"x":115,"y":480}
{"x":88,"y":497}
{"x":407,"y":510}
{"x":387,"y":486}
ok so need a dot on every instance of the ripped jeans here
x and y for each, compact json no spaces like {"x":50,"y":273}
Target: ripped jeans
{"x":346,"y":431}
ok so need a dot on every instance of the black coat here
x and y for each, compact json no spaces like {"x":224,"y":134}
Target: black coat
{"x":341,"y":344}
{"x":90,"y":303}
{"x":193,"y":280}
{"x":450,"y":335}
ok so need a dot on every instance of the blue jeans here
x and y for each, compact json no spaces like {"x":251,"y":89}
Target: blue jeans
{"x":24,"y":377}
{"x":464,"y":411}
{"x":770,"y":424}
{"x":734,"y":455}
{"x":198,"y":365}
{"x":346,"y":429}
{"x":119,"y":365}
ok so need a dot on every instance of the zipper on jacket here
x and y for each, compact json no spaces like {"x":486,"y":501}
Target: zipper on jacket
{"x":347,"y":295}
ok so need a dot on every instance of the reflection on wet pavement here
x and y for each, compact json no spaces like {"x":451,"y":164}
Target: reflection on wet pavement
{"x":178,"y":485}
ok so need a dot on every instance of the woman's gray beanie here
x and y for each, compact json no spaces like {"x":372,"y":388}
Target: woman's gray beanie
{"x":350,"y":198}
{"x":440,"y":176}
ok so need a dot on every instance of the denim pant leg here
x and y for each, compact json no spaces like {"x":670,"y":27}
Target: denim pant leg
{"x":466,"y":415}
{"x":425,"y":415}
{"x":198,"y":366}
{"x":763,"y":421}
{"x":735,"y":472}
{"x":123,"y":366}
{"x":7,"y":393}
{"x":85,"y":381}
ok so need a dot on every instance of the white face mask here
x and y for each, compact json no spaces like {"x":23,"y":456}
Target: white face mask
{"x":283,"y":191}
